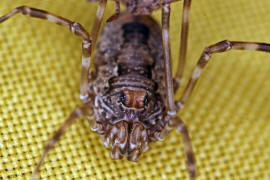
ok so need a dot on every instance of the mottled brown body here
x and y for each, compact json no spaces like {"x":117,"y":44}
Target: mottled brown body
{"x":129,"y":86}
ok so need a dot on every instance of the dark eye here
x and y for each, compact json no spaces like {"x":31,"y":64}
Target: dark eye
{"x":145,"y":100}
{"x":123,"y":98}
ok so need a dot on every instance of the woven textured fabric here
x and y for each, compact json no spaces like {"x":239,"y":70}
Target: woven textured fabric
{"x":228,"y":114}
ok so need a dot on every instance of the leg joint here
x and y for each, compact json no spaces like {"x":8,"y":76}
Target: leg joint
{"x":24,"y":10}
{"x":78,"y":29}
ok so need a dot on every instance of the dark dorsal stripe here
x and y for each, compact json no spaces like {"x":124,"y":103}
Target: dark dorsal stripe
{"x":132,"y":30}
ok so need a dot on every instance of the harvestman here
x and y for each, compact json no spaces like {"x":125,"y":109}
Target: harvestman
{"x":138,"y":109}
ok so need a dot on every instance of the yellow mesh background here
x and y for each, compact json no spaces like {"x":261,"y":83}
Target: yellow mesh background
{"x":228,"y":114}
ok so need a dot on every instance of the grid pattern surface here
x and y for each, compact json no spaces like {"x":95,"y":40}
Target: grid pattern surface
{"x":228,"y":114}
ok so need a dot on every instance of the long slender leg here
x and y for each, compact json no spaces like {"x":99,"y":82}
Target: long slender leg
{"x":77,"y":113}
{"x":166,"y":52}
{"x":205,"y":57}
{"x":182,"y":128}
{"x":98,"y":20}
{"x":74,"y":27}
{"x":183,"y":44}
{"x":171,"y":113}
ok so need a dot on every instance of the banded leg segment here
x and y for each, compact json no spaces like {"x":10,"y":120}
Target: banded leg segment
{"x":182,"y":128}
{"x":183,"y":44}
{"x":74,"y":27}
{"x":222,"y":46}
{"x":167,"y":56}
{"x":77,"y":113}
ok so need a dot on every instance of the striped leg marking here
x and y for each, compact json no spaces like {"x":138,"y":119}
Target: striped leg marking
{"x":74,"y":27}
{"x":222,"y":46}
{"x":77,"y":113}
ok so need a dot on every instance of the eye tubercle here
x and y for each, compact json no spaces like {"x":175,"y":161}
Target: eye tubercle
{"x":134,"y":98}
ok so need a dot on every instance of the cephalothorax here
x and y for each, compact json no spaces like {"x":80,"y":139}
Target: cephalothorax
{"x":129,"y":100}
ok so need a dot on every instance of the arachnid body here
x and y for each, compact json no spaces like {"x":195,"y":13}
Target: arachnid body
{"x":109,"y":96}
{"x":129,"y":86}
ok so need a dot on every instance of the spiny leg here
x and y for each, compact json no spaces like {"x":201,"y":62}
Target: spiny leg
{"x":116,"y":13}
{"x":205,"y":57}
{"x":98,"y":20}
{"x":167,"y":54}
{"x":183,"y":44}
{"x":77,"y":113}
{"x":74,"y":27}
{"x":182,"y":128}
